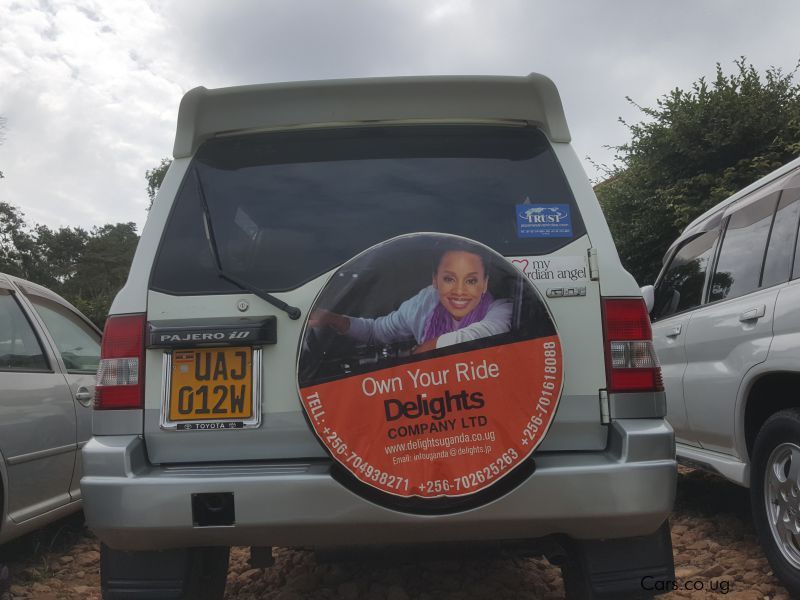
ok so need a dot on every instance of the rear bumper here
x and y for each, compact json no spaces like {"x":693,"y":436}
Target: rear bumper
{"x":627,"y":490}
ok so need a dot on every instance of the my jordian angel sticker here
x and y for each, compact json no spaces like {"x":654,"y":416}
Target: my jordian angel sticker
{"x":430,"y":367}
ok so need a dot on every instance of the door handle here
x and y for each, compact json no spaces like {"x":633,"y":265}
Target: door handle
{"x":674,"y":332}
{"x":751,"y":314}
{"x":84,"y":396}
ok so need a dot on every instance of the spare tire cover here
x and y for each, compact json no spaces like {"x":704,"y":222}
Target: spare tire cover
{"x":429,"y":368}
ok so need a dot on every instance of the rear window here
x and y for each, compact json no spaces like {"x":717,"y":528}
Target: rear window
{"x":288,"y":207}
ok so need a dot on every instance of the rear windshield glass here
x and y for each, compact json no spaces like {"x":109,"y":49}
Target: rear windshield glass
{"x":288,"y":207}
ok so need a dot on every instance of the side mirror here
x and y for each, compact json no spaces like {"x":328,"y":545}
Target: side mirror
{"x":649,"y":295}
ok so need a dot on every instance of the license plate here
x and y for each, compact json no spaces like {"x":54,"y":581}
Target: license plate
{"x":211,"y":384}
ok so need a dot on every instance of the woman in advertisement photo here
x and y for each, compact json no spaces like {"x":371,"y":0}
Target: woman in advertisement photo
{"x":456,"y":307}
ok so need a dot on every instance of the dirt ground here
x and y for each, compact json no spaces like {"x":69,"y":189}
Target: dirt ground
{"x":716,"y":554}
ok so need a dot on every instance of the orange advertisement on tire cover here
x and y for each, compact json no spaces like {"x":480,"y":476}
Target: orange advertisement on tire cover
{"x":430,"y":367}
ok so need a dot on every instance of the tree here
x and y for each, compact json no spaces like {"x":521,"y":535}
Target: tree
{"x":694,"y":149}
{"x":49,"y":256}
{"x":60,"y":252}
{"x":155,"y":178}
{"x":87,"y":268}
{"x":101,"y":269}
{"x":14,"y":239}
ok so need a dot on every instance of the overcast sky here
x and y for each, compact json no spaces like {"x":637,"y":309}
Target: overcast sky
{"x":90,"y":89}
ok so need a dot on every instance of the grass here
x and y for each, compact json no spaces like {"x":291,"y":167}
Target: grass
{"x":28,"y":558}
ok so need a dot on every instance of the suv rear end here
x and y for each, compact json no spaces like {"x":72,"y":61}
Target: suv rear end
{"x":276,"y":198}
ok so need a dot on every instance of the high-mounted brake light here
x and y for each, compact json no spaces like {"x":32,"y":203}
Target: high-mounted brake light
{"x":120,"y":376}
{"x":631,"y":361}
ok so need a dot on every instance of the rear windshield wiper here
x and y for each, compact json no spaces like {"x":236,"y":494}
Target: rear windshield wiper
{"x":292,"y":311}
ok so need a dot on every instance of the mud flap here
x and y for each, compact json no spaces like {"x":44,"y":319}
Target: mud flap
{"x":179,"y":574}
{"x":618,"y":568}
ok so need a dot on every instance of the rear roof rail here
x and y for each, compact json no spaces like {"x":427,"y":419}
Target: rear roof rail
{"x":205,"y":113}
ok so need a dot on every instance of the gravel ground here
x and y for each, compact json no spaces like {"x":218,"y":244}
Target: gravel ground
{"x":716,"y":554}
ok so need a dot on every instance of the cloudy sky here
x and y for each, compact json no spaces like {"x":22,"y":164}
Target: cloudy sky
{"x":90,"y":89}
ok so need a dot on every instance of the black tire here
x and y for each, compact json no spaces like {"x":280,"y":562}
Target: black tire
{"x":180,"y":574}
{"x":777,"y":437}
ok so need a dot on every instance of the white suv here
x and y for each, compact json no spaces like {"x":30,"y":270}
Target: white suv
{"x":726,"y":326}
{"x":371,"y":312}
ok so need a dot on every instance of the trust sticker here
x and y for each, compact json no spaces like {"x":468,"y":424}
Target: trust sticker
{"x":543,"y":220}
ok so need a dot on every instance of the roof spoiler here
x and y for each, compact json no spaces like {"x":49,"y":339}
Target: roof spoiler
{"x":205,"y":113}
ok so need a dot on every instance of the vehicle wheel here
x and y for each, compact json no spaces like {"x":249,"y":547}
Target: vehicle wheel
{"x":181,"y":574}
{"x":775,"y":494}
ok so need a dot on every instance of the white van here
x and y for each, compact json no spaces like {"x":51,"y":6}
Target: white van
{"x":371,"y":312}
{"x":725,"y":324}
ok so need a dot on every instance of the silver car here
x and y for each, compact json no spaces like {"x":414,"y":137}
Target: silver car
{"x":49,"y":353}
{"x":726,"y":322}
{"x":376,"y":312}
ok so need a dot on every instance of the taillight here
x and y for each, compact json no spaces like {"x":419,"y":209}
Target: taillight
{"x":631,"y":362}
{"x":120,"y":376}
